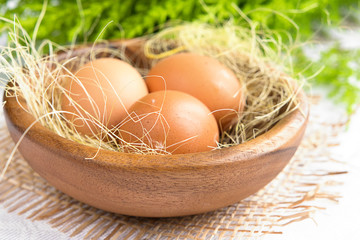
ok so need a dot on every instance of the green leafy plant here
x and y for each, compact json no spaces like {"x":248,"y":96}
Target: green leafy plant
{"x":339,"y":74}
{"x":86,"y":19}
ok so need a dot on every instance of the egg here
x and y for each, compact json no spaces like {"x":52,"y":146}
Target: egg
{"x":169,"y":121}
{"x":104,"y":89}
{"x":204,"y":78}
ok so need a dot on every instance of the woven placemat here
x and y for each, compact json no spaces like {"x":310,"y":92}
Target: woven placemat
{"x":293,"y":196}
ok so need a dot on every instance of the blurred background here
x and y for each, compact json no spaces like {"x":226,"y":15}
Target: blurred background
{"x":317,"y":26}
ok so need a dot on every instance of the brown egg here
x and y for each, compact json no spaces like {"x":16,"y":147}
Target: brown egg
{"x":170,"y":121}
{"x":202,"y":77}
{"x":105,"y":89}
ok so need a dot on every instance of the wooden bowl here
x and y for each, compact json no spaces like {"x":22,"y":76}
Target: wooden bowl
{"x":157,"y":186}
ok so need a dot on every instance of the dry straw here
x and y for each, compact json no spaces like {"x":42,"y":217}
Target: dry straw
{"x":255,"y":59}
{"x":259,"y":66}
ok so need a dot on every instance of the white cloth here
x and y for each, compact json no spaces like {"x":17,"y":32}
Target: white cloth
{"x":15,"y":227}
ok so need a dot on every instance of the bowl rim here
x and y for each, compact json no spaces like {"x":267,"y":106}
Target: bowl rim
{"x":263,"y":144}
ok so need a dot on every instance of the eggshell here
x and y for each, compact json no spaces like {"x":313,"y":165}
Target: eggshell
{"x":202,"y":77}
{"x":170,"y":121}
{"x":105,"y":89}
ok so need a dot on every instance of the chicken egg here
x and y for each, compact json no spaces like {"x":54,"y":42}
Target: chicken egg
{"x":101,"y":90}
{"x":169,"y":121}
{"x":204,"y":78}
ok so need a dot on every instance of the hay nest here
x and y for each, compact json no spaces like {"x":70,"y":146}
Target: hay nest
{"x":256,"y":59}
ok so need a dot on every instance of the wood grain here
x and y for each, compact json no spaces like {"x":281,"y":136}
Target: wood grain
{"x":157,"y":186}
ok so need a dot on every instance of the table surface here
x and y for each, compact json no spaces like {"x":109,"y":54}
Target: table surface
{"x":338,"y":221}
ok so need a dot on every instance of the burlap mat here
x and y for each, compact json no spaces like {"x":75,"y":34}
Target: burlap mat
{"x":293,"y":196}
